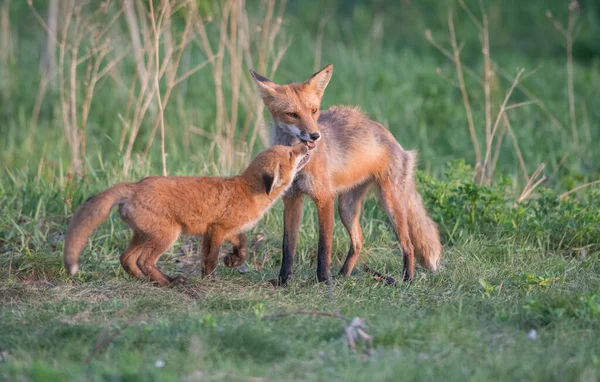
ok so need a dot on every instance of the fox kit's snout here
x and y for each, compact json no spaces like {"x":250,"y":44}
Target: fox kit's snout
{"x":302,"y":157}
{"x":159,"y":209}
{"x":296,"y":107}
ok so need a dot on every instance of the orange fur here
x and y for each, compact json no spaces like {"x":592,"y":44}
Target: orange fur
{"x":350,"y":153}
{"x":159,"y":209}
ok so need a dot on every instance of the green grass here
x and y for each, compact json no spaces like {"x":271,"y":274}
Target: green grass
{"x":517,"y":296}
{"x":470,"y":320}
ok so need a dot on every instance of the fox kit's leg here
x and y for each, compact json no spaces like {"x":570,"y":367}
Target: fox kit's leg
{"x":156,"y":245}
{"x":238,"y":256}
{"x":131,"y":254}
{"x":395,"y":206}
{"x":325,"y":212}
{"x":210,"y":252}
{"x":292,"y":215}
{"x":349,"y":206}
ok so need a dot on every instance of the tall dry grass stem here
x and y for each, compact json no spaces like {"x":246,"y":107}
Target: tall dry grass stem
{"x":568,"y":33}
{"x":240,"y":46}
{"x":6,"y":54}
{"x":82,"y":42}
{"x":463,"y":90}
{"x":493,"y":130}
{"x":159,"y":62}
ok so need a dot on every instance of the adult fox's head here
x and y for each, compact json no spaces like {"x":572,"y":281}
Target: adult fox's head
{"x":295,"y":107}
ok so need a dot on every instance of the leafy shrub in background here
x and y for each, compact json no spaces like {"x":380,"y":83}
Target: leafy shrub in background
{"x":462,"y":207}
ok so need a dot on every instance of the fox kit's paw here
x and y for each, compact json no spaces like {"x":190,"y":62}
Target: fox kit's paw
{"x":230,"y":260}
{"x":179,"y":280}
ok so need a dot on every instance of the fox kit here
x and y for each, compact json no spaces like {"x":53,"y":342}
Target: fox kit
{"x":159,"y":209}
{"x":349,"y":154}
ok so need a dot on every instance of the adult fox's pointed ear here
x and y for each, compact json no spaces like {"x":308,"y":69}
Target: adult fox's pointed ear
{"x":318,"y":82}
{"x":266,"y":86}
{"x":271,"y":179}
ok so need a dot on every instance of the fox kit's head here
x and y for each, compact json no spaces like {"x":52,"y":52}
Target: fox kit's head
{"x":295,"y":107}
{"x":273,"y":170}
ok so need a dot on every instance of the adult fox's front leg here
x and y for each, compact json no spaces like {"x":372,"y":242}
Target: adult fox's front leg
{"x":325,"y":212}
{"x":292,"y":215}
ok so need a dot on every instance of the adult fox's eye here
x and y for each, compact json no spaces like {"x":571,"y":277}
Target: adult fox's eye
{"x":291,"y":155}
{"x":292,"y":115}
{"x":314,"y":111}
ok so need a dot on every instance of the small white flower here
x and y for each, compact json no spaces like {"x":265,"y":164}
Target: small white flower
{"x":159,"y":363}
{"x":532,"y":335}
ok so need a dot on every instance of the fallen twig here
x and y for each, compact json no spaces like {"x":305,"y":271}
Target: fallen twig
{"x":102,"y":343}
{"x":379,"y":276}
{"x":356,"y":330}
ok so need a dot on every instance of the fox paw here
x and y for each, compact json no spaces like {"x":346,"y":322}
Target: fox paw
{"x":230,"y":260}
{"x":179,"y":280}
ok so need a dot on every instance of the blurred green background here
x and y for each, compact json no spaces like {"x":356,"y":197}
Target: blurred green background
{"x":382,"y":61}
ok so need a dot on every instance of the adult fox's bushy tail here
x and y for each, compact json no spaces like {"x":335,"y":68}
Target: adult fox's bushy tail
{"x":88,"y":217}
{"x":422,"y":230}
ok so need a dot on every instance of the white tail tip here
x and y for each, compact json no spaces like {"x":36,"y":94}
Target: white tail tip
{"x":72,"y":269}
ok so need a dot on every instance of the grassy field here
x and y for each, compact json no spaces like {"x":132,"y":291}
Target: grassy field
{"x":518,"y":293}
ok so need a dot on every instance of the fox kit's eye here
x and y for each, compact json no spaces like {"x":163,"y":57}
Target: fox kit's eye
{"x":314,"y":110}
{"x":292,"y":115}
{"x":291,"y":155}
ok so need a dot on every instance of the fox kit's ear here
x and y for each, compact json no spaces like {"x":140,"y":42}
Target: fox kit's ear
{"x":318,"y":82}
{"x":266,"y":86}
{"x":271,"y":179}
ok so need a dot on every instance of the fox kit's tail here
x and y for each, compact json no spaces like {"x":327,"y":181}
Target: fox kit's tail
{"x":87,"y":218}
{"x":422,"y":230}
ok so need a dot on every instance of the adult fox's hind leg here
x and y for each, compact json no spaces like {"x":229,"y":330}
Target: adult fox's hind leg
{"x":152,"y":249}
{"x":391,"y":199}
{"x":349,"y":207}
{"x":130,"y":256}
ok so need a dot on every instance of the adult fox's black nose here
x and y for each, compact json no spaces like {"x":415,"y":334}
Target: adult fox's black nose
{"x":315,"y":136}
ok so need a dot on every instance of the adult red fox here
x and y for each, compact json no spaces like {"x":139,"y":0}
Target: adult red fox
{"x":349,"y":154}
{"x":159,"y":209}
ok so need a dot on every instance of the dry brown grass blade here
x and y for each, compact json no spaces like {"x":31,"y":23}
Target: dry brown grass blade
{"x":136,"y":44}
{"x":532,"y":184}
{"x":469,"y":13}
{"x":488,"y":149}
{"x":521,"y":104}
{"x":527,"y":93}
{"x":565,"y":194}
{"x":489,"y":170}
{"x":319,"y":42}
{"x":516,"y":146}
{"x":487,"y":76}
{"x":463,"y":88}
{"x":161,"y":112}
{"x":568,"y":34}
